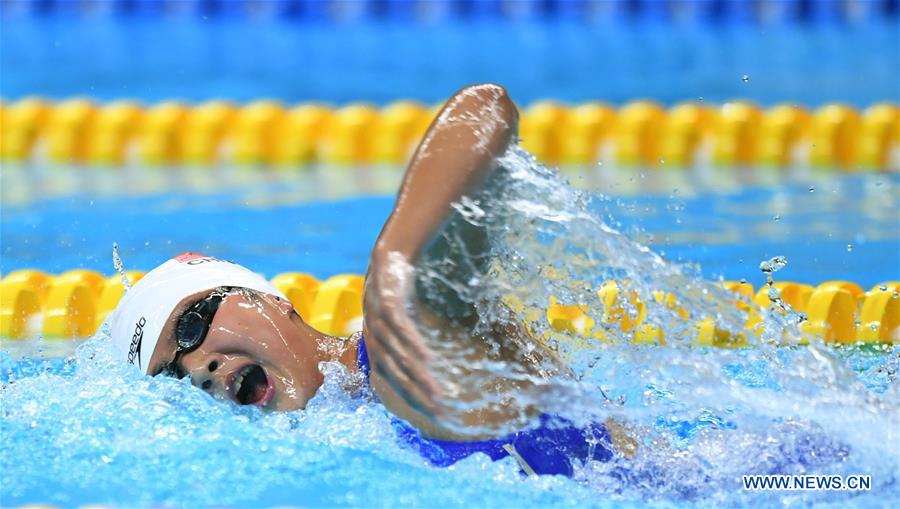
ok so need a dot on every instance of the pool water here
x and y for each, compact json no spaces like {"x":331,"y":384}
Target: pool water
{"x":195,"y":60}
{"x":108,"y":435}
{"x":77,"y":428}
{"x":80,"y":429}
{"x":829,"y":226}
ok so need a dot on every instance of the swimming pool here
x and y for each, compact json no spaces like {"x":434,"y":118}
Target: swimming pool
{"x":161,"y":58}
{"x":79,"y":429}
{"x":188,"y":450}
{"x":282,"y":222}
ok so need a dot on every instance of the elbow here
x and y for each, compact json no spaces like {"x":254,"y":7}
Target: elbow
{"x":493,"y":100}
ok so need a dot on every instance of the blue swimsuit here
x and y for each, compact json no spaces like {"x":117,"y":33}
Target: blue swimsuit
{"x":547,"y":449}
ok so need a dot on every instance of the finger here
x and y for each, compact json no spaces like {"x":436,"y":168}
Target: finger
{"x":418,"y":365}
{"x":396,"y":316}
{"x":384,"y":343}
{"x":407,"y":390}
{"x":414,"y":394}
{"x":414,"y":368}
{"x":391,"y":312}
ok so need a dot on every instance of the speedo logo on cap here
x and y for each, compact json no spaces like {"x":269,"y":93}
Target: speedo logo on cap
{"x":197,"y":259}
{"x":135,"y":349}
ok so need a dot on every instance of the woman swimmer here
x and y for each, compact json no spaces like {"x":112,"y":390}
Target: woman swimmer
{"x":239,"y":338}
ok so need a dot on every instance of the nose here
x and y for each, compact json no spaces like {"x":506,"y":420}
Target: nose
{"x":203,"y":368}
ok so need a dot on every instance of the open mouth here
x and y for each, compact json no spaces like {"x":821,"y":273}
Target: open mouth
{"x":251,"y":386}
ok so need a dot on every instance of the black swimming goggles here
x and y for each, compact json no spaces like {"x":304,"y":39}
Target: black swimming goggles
{"x":192,"y":326}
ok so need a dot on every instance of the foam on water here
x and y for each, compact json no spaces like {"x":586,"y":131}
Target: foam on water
{"x":86,"y":430}
{"x":703,"y":417}
{"x":94,"y":431}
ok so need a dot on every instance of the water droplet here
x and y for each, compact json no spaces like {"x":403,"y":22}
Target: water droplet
{"x":849,"y":247}
{"x":662,"y":160}
{"x":896,"y":294}
{"x":874,"y":326}
{"x":773,"y":265}
{"x":120,"y":267}
{"x":746,"y":78}
{"x":700,"y":98}
{"x":106,"y":459}
{"x":147,"y":243}
{"x":777,"y":218}
{"x":812,"y":189}
{"x":743,"y":280}
{"x":883,"y":288}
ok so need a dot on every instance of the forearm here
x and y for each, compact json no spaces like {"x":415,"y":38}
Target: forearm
{"x":484,"y":405}
{"x":425,"y":235}
{"x":459,"y":150}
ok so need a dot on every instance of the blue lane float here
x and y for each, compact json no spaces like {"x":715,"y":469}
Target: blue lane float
{"x":703,"y":11}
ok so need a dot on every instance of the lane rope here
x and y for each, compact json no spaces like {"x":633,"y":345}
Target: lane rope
{"x":265,"y":132}
{"x":73,"y":304}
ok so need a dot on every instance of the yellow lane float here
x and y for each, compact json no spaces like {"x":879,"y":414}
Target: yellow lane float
{"x":22,"y":296}
{"x":255,"y":133}
{"x":737,"y":134}
{"x":589,"y":130}
{"x":112,"y":133}
{"x":267,"y":132}
{"x":301,"y":134}
{"x":350,"y":134}
{"x":835,"y":137}
{"x":784,"y":127}
{"x":75,"y":303}
{"x":205,"y":131}
{"x":22,"y":127}
{"x":638,"y":130}
{"x":160,"y":133}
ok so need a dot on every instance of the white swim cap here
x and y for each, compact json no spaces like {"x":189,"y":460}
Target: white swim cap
{"x":144,"y":309}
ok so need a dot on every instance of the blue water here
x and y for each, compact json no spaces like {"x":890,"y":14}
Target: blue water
{"x":82,"y":428}
{"x":726,"y":232}
{"x":197,"y":59}
{"x":79,"y":429}
{"x":110,"y":436}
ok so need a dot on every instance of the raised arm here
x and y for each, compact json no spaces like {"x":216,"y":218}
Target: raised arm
{"x":458,"y":151}
{"x":455,"y":157}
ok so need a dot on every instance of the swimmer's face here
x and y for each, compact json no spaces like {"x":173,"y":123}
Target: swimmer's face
{"x":257,"y":351}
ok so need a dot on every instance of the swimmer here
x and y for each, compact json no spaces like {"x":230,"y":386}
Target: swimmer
{"x":240,"y":339}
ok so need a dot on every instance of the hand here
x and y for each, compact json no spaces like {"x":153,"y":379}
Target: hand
{"x":398,"y":353}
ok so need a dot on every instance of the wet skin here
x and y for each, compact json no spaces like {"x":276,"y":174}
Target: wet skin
{"x":456,"y":157}
{"x":254,"y":329}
